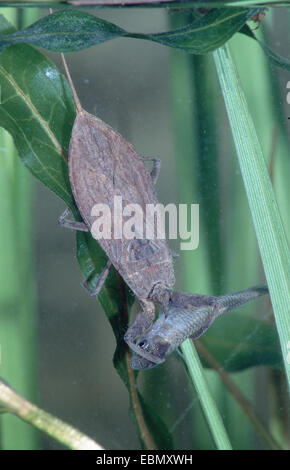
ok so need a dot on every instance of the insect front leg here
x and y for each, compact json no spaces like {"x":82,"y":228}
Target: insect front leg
{"x":142,"y":323}
{"x":101,"y":281}
{"x":67,"y":222}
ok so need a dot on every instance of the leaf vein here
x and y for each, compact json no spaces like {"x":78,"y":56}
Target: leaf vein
{"x":30,"y":105}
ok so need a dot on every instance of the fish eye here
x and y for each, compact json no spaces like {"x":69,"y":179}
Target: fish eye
{"x":142,"y":344}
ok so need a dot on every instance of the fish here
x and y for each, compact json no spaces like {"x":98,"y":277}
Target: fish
{"x":188,"y":316}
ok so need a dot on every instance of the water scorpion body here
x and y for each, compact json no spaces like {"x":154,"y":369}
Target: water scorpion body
{"x":103,"y":166}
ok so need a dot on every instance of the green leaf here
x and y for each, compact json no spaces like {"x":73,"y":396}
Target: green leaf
{"x":73,"y":30}
{"x":38,"y":112}
{"x":206,"y":33}
{"x":69,"y":30}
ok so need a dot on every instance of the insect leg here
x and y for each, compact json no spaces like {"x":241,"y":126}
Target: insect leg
{"x":101,"y":281}
{"x":156,"y":168}
{"x":66,"y":222}
{"x":142,"y":323}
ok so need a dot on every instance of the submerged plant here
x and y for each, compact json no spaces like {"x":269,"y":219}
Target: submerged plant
{"x":38,"y":110}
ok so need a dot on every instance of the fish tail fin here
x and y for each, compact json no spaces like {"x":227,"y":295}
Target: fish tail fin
{"x":226,"y":303}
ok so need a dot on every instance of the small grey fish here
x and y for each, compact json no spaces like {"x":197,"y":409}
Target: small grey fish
{"x":189,"y":316}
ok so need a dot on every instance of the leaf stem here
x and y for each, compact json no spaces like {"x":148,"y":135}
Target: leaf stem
{"x":12,"y":402}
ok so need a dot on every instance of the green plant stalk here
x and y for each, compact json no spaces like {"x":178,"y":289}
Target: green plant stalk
{"x":17,"y":287}
{"x":17,"y":292}
{"x":209,"y":407}
{"x":206,"y":163}
{"x":265,"y":213}
{"x":12,"y":402}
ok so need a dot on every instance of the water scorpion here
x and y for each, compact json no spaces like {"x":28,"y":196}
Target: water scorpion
{"x":102,"y":165}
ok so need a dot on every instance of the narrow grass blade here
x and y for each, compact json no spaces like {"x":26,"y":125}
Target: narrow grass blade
{"x":265,"y":213}
{"x":209,"y":407}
